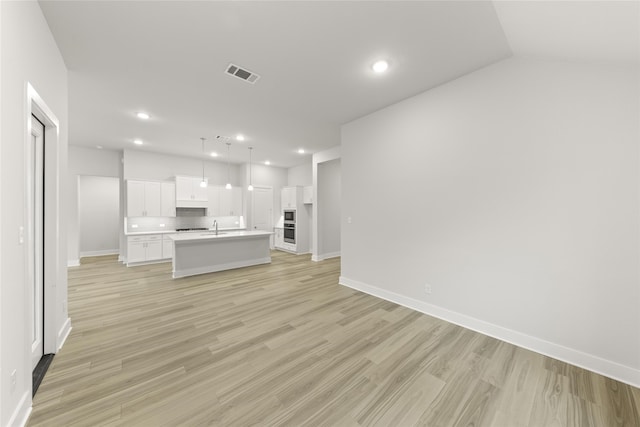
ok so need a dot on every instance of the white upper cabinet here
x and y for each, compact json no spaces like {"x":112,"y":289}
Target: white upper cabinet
{"x":223,"y":202}
{"x":135,"y":198}
{"x":213,"y":204}
{"x":189,"y":192}
{"x":289,"y":198}
{"x":307,"y":195}
{"x":168,"y":199}
{"x":200,"y":192}
{"x":144,"y":198}
{"x":231,"y":202}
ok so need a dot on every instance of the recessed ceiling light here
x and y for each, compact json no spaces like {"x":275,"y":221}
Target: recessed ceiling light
{"x":301,"y":151}
{"x":380,"y":66}
{"x":137,"y":141}
{"x":267,"y":162}
{"x":99,"y":147}
{"x":142,"y":115}
{"x":214,"y":154}
{"x":240,"y":137}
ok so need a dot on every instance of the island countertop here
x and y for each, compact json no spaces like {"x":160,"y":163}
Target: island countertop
{"x":224,"y":235}
{"x":172,"y":231}
{"x":207,"y":252}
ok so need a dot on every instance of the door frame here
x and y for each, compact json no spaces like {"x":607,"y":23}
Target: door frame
{"x":35,"y":249}
{"x":53,"y":231}
{"x":321,"y":157}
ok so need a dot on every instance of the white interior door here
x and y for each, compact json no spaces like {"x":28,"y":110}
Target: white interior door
{"x":35,"y":182}
{"x":262,"y":208}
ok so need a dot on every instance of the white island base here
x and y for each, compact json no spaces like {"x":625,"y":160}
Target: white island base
{"x":199,"y":253}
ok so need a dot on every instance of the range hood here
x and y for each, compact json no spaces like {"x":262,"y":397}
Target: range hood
{"x":191,"y":204}
{"x":190,"y":211}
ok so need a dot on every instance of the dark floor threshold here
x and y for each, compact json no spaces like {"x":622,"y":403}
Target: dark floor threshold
{"x":40,"y":371}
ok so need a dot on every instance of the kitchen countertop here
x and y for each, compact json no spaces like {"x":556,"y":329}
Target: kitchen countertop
{"x":224,"y":235}
{"x":142,"y":233}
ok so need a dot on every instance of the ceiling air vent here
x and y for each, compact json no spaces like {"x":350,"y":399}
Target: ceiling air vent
{"x":242,"y":73}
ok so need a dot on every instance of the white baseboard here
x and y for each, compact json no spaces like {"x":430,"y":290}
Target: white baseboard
{"x":73,"y":263}
{"x":212,"y":269}
{"x":322,"y":257}
{"x":625,"y":374}
{"x":154,"y":261}
{"x":100,"y":253}
{"x":23,"y":410}
{"x":278,"y":248}
{"x":63,"y":333}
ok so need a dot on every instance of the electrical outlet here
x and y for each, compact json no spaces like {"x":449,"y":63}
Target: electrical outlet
{"x":12,"y":379}
{"x":427,"y":289}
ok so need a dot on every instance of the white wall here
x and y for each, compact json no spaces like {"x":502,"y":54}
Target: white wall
{"x":155,"y":166}
{"x":28,"y":54}
{"x":265,"y":176}
{"x":93,"y":162}
{"x":514,"y":193}
{"x":300,"y":175}
{"x":99,"y":215}
{"x":329,"y":203}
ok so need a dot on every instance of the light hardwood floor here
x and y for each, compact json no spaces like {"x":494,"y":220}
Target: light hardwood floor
{"x":285,"y":345}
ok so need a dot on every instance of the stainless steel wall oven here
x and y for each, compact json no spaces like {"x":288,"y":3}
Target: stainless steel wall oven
{"x":290,"y":232}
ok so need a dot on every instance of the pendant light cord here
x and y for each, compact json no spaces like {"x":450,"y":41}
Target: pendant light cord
{"x":228,"y":172}
{"x":203,"y":139}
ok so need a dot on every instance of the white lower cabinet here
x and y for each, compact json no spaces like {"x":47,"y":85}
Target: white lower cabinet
{"x":279,"y":237}
{"x":279,"y":242}
{"x":144,"y":248}
{"x":167,"y":247}
{"x":154,"y":250}
{"x":289,"y":247}
{"x":136,"y":252}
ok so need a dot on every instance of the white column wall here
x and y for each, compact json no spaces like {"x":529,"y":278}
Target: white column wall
{"x":329,"y":206}
{"x":28,"y":55}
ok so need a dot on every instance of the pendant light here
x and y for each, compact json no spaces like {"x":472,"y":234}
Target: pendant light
{"x":228,"y":186}
{"x":203,"y":183}
{"x":250,"y":187}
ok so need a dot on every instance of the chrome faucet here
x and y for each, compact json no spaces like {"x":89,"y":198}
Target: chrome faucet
{"x":215,"y":225}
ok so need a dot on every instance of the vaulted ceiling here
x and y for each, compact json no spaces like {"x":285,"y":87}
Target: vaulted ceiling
{"x":168,"y":58}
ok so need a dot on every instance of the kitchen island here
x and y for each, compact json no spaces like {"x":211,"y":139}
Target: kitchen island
{"x":207,"y":252}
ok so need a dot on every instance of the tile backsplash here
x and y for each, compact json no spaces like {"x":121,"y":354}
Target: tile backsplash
{"x":171,"y":223}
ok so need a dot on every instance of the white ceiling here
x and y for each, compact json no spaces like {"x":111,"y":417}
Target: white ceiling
{"x":168,"y":58}
{"x":573,"y":30}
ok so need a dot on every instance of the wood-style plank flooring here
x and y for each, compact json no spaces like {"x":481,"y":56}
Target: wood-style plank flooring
{"x":285,"y":345}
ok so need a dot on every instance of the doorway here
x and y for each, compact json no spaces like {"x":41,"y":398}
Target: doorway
{"x":36,"y":250}
{"x":35,"y":231}
{"x":98,"y":215}
{"x":46,"y":322}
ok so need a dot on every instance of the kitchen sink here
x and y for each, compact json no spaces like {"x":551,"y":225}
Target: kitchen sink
{"x":213,"y":233}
